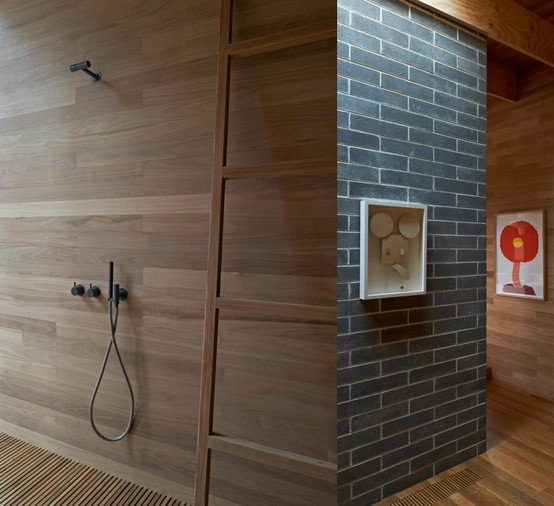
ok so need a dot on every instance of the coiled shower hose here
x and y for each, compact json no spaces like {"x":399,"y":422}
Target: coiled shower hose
{"x":112,"y":342}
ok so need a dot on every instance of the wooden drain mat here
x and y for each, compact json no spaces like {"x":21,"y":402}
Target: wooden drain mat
{"x":441,"y":489}
{"x":31,"y":476}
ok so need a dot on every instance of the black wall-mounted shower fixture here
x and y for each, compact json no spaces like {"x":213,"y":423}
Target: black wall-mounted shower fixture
{"x":93,"y":291}
{"x":77,"y":289}
{"x":115,"y":295}
{"x":84,"y":66}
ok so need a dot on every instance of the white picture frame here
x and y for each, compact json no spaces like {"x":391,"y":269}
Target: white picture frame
{"x":520,"y":254}
{"x":393,"y":261}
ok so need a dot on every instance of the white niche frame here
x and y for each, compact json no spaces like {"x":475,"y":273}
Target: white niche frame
{"x":377,"y":279}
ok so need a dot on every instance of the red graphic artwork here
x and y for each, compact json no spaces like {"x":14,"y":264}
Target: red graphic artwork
{"x":519,"y":242}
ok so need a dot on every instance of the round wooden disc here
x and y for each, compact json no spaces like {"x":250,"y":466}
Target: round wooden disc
{"x":381,"y":224}
{"x":409,"y":226}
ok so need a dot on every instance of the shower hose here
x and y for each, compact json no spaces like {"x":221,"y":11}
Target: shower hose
{"x":112,"y":342}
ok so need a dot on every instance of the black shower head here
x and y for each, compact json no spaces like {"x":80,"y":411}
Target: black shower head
{"x":79,"y":66}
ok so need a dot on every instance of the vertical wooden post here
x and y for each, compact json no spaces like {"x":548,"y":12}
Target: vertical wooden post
{"x":209,"y":347}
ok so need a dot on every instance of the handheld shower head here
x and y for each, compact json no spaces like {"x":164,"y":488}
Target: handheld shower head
{"x":110,"y":281}
{"x":116,"y":294}
{"x":84,"y":66}
{"x":79,"y":66}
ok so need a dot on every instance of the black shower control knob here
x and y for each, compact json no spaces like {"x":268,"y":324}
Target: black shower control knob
{"x":93,"y":291}
{"x":77,"y":289}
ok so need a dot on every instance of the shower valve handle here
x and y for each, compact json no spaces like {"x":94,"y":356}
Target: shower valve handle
{"x":93,"y":291}
{"x":123,"y":293}
{"x":77,"y":290}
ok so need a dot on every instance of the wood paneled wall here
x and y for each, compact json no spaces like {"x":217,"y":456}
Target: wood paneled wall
{"x":520,"y":177}
{"x":89,"y":173}
{"x":120,"y":171}
{"x":276,"y":375}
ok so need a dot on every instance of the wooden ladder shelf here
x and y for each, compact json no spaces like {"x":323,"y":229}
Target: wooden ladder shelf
{"x":207,"y":439}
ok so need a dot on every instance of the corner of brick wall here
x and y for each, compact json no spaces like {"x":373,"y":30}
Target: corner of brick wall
{"x":411,"y":128}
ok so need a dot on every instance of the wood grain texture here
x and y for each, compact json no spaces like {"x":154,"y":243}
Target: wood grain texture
{"x":253,"y":390}
{"x":296,"y":117}
{"x":256,"y":18}
{"x":544,"y":8}
{"x":121,"y":170}
{"x":92,"y":173}
{"x":272,"y":457}
{"x":504,"y":21}
{"x":501,"y":81}
{"x":325,"y":314}
{"x":520,"y":176}
{"x":293,"y":37}
{"x":265,"y":485}
{"x":519,"y":463}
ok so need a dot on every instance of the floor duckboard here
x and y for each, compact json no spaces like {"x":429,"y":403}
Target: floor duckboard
{"x":31,"y":476}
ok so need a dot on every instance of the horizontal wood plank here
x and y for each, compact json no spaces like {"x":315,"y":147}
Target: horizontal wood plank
{"x":303,"y":311}
{"x":197,"y":204}
{"x":282,"y":40}
{"x":300,"y":168}
{"x":326,"y":471}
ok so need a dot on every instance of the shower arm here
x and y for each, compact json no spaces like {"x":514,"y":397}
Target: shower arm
{"x":84,"y":66}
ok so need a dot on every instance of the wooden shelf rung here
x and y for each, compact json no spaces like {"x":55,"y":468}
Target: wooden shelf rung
{"x":325,"y":314}
{"x":283,"y":40}
{"x":289,"y":461}
{"x":281,"y":169}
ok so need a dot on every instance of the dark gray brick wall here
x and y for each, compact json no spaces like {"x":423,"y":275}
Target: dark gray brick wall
{"x":412,"y":127}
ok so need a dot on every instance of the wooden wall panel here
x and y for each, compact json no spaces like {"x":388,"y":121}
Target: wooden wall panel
{"x":241,"y":482}
{"x":276,"y":231}
{"x":255,"y":18}
{"x":121,"y":171}
{"x":276,"y":376}
{"x":294,"y":106}
{"x":274,"y":384}
{"x":520,"y":177}
{"x":90,"y":173}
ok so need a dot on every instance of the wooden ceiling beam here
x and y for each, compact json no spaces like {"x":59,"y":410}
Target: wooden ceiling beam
{"x":501,"y":81}
{"x":504,"y":21}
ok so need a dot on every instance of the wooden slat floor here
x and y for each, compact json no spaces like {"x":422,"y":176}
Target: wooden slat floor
{"x":518,"y":467}
{"x":31,"y":476}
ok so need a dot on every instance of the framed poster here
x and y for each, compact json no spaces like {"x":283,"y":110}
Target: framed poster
{"x":520,"y":254}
